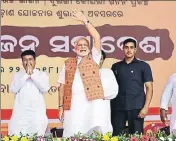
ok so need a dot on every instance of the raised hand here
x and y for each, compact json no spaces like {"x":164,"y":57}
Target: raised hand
{"x":78,"y":15}
{"x":30,"y":69}
{"x":27,"y":69}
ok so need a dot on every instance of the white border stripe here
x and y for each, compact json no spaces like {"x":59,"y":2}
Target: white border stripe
{"x":154,"y":118}
{"x":50,"y":121}
{"x":148,"y":118}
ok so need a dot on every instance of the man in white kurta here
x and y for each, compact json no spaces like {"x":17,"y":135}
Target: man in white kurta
{"x":169,"y":94}
{"x":85,"y":116}
{"x":29,"y":111}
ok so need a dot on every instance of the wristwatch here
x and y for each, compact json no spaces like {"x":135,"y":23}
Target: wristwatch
{"x":60,"y":106}
{"x":86,"y":22}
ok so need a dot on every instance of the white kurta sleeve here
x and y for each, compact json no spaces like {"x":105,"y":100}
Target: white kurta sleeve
{"x":41,"y":80}
{"x":61,"y":78}
{"x":18,"y":81}
{"x":109,"y":83}
{"x":167,"y":93}
{"x":96,"y":55}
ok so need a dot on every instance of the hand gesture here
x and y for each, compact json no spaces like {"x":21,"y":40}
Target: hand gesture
{"x":163,"y":115}
{"x":61,"y":114}
{"x":78,"y":15}
{"x":143,"y":113}
{"x":29,"y":69}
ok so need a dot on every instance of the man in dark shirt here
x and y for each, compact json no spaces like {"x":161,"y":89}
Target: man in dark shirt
{"x":131,"y":103}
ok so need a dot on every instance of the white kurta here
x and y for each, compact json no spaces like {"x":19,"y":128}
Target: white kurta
{"x":86,"y":115}
{"x":169,"y":93}
{"x":29,"y":111}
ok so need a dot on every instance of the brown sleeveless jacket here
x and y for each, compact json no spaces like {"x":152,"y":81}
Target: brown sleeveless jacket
{"x":89,"y":73}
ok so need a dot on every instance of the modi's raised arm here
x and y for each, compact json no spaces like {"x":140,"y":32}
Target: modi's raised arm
{"x":79,"y":16}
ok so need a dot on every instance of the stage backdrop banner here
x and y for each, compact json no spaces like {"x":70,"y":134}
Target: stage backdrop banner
{"x":47,"y":28}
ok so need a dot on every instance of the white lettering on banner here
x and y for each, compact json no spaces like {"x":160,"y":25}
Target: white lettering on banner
{"x":149,"y":44}
{"x":60,"y":48}
{"x":31,"y":46}
{"x":144,"y":44}
{"x":108,"y":38}
{"x":73,"y":41}
{"x":122,"y":39}
{"x":8,"y":46}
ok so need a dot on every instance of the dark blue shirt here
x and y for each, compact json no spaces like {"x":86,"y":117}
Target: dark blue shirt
{"x":131,"y":78}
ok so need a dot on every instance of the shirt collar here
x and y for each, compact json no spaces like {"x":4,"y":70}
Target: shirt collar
{"x":79,"y":59}
{"x":133,"y":61}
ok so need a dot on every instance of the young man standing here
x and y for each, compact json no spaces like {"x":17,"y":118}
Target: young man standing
{"x":29,"y":111}
{"x":131,"y":103}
